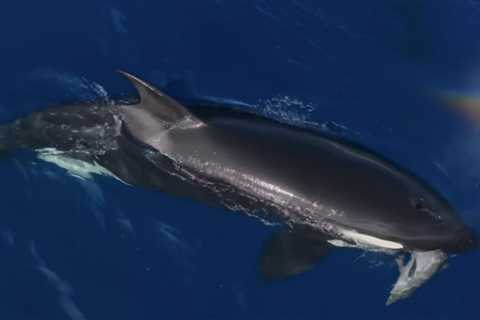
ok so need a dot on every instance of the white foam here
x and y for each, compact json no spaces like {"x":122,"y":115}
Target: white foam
{"x":288,"y":110}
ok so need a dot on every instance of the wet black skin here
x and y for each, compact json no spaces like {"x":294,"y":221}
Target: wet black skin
{"x":251,"y":154}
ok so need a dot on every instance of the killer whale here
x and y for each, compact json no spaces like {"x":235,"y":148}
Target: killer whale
{"x":328,"y":192}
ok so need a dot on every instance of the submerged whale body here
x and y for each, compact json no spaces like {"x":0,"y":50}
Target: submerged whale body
{"x":328,"y":192}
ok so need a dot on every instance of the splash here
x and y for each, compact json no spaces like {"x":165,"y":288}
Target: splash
{"x":287,"y":110}
{"x":296,"y":112}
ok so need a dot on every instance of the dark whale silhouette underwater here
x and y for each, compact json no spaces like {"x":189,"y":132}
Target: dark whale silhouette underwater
{"x":328,"y":192}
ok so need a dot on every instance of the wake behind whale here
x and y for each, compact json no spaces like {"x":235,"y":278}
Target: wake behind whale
{"x":328,"y":192}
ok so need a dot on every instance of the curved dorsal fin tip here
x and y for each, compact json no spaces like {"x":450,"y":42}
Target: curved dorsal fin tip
{"x":156,"y":102}
{"x":140,"y":84}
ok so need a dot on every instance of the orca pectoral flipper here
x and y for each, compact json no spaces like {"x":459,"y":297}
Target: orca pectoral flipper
{"x":289,"y":253}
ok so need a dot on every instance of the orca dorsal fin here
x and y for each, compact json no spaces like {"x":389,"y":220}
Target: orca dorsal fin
{"x":158,"y":104}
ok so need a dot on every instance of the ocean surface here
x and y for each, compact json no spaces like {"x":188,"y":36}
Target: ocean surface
{"x":386,"y":74}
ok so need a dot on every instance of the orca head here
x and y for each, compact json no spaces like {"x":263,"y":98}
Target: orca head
{"x":448,"y":232}
{"x":389,"y":203}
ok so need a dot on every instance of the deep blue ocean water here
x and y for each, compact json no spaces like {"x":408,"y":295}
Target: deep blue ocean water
{"x":371,"y":71}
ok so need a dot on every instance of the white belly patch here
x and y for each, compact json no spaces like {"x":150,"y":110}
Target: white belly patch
{"x":364,"y":241}
{"x":77,"y":168}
